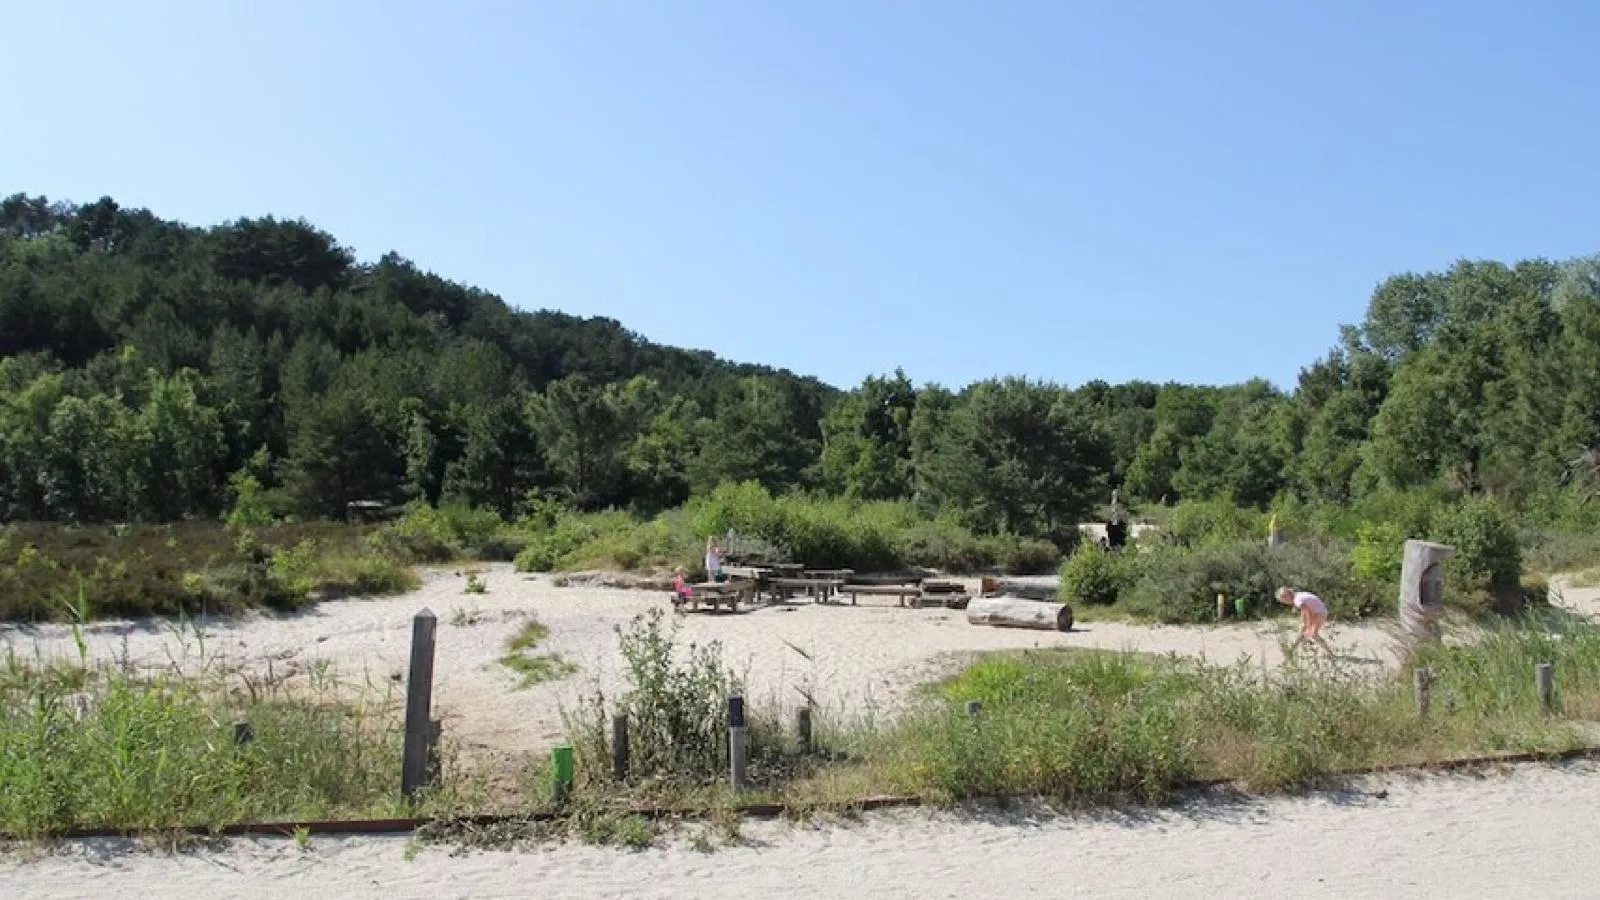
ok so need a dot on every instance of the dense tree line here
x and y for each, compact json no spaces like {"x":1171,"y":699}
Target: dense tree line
{"x":155,"y":371}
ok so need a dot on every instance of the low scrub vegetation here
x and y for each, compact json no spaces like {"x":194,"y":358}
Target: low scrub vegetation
{"x":52,"y":573}
{"x":85,"y":745}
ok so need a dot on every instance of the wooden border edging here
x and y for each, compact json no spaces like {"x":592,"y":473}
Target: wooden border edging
{"x":753,"y":810}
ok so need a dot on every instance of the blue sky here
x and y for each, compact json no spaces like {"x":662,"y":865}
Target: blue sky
{"x":1158,"y":190}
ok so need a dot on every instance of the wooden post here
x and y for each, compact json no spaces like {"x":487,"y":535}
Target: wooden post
{"x":561,"y":772}
{"x":619,"y":747}
{"x":1420,"y":679}
{"x":1222,"y":606}
{"x":973,"y":709}
{"x":242,"y":734}
{"x":736,"y":748}
{"x":419,"y":703}
{"x":802,"y":728}
{"x":1544,"y":682}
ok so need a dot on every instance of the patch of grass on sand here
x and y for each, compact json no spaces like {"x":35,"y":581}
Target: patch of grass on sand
{"x":85,"y":745}
{"x":534,"y":668}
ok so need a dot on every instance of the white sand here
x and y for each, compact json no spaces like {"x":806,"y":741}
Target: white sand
{"x":1529,"y":833}
{"x":1526,"y":834}
{"x":863,"y":660}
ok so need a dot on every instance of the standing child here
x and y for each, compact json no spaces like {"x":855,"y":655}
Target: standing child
{"x":1313,"y":615}
{"x":713,"y":559}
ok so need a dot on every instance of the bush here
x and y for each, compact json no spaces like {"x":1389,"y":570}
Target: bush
{"x":1094,"y":577}
{"x":1025,"y":556}
{"x":435,"y":535}
{"x":1196,"y":523}
{"x":1485,"y":540}
{"x":1180,"y":586}
{"x":943,"y":546}
{"x":1379,"y":552}
{"x":677,"y":708}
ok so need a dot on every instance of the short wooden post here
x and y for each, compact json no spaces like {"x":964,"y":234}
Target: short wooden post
{"x":561,"y":772}
{"x":1222,"y":606}
{"x":736,"y":747}
{"x":1544,"y":682}
{"x":802,"y":728}
{"x":1420,"y":680}
{"x":241,"y":733}
{"x":419,"y":703}
{"x":619,"y":747}
{"x":973,"y":709}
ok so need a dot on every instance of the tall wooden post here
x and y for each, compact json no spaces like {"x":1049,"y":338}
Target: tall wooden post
{"x":619,"y":747}
{"x":1420,"y":683}
{"x":802,"y":728}
{"x":419,"y":703}
{"x":736,"y":747}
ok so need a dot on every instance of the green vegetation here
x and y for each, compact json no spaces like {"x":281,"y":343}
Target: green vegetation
{"x":255,"y":373}
{"x":86,"y":745}
{"x":534,"y":668}
{"x":184,"y":568}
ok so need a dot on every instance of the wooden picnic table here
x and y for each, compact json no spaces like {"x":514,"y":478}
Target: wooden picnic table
{"x":820,"y":587}
{"x":843,"y":574}
{"x":716,"y":593}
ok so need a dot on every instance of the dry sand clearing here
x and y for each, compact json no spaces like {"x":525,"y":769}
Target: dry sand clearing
{"x":857,"y":661}
{"x":1526,"y":834}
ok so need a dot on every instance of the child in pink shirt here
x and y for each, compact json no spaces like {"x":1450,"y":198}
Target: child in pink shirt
{"x":681,"y":592}
{"x":1313,"y":615}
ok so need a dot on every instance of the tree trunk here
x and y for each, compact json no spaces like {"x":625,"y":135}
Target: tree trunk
{"x":1018,"y":612}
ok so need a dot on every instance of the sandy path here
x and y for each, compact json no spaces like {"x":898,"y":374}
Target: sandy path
{"x":863,"y":660}
{"x":1526,"y":834}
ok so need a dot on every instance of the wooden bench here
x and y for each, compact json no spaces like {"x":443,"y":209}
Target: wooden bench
{"x":715,"y":593}
{"x":822,"y":588}
{"x":900,"y":592}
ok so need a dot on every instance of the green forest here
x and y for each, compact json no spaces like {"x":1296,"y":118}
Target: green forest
{"x":258,"y":374}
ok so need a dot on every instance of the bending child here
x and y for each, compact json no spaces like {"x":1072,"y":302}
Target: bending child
{"x":1313,"y":615}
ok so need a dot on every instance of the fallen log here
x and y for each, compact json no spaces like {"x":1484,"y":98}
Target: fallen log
{"x":1019,"y":612}
{"x":999,"y":587}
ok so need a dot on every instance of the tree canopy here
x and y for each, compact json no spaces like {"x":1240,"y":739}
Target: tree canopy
{"x":153,"y":371}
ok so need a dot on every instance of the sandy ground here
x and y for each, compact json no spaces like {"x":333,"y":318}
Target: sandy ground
{"x":859,"y":661}
{"x":1524,"y":834}
{"x":1528,"y":833}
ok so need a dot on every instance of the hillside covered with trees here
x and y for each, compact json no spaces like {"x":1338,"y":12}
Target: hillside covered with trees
{"x":151,"y":369}
{"x":255,"y":372}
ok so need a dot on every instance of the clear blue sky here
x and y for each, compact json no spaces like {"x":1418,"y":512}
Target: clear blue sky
{"x":1066,"y":190}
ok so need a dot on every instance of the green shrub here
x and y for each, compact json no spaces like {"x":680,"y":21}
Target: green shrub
{"x":943,"y":546}
{"x":1025,"y":556}
{"x":1178,"y":586}
{"x":1195,"y":523}
{"x":1379,"y":551}
{"x":1095,"y":577}
{"x":1485,"y":540}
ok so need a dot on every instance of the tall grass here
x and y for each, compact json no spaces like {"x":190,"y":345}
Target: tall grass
{"x":1079,"y":726}
{"x":104,"y":746}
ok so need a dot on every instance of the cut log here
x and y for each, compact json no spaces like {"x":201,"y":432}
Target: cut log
{"x":1025,"y":590}
{"x":1019,"y":612}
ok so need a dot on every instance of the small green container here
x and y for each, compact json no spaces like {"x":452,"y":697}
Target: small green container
{"x":1241,"y":606}
{"x":561,"y":771}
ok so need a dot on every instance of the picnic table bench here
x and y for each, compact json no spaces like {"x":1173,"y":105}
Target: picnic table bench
{"x":716,"y":593}
{"x":901,"y":592}
{"x":822,"y":588}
